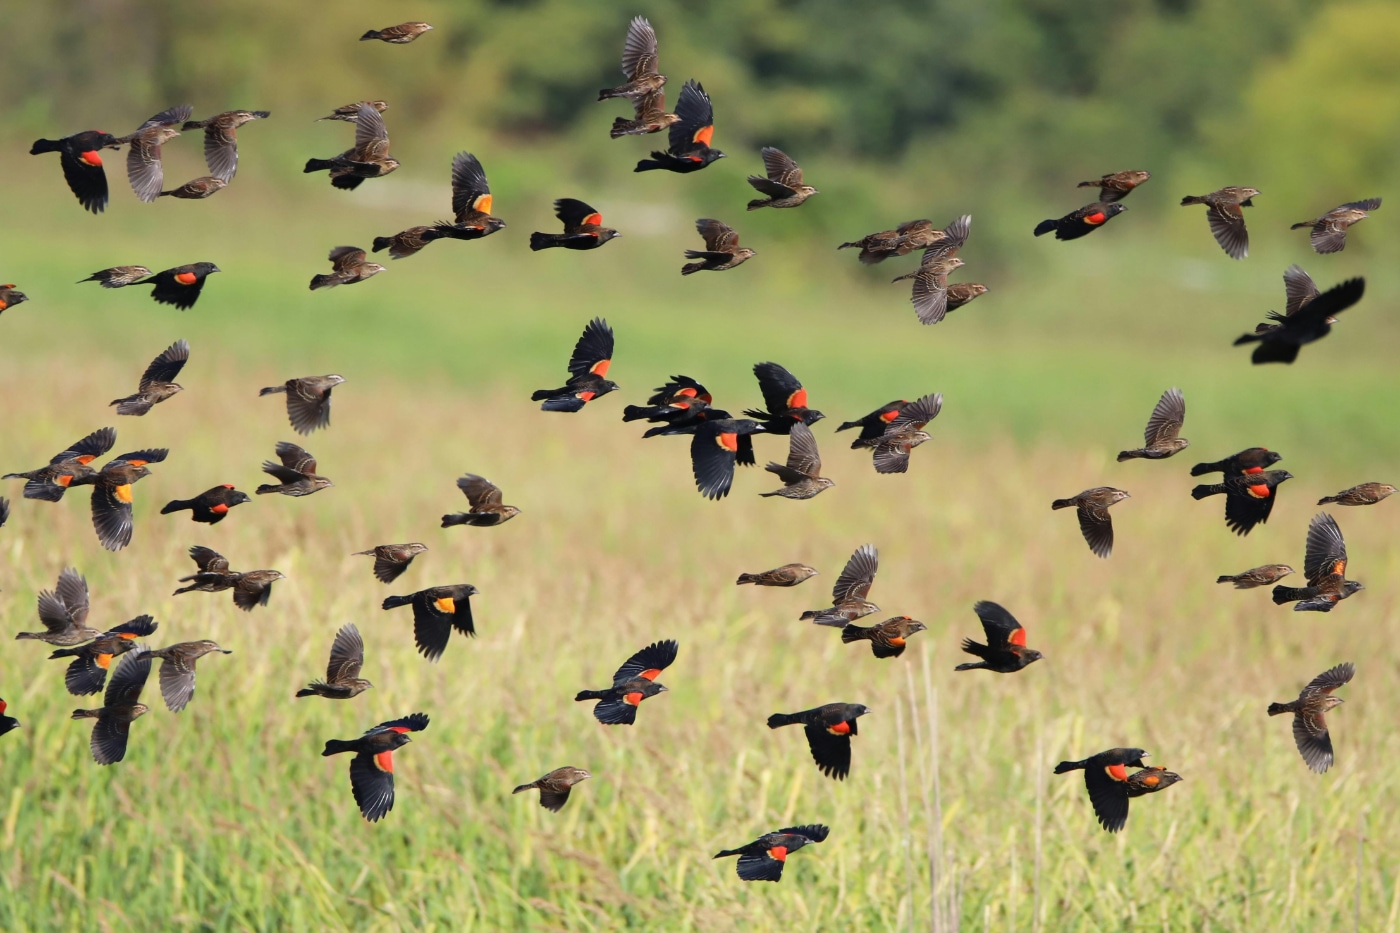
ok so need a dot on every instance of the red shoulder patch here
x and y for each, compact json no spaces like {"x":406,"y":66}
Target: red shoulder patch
{"x":594,"y":219}
{"x":729,"y":441}
{"x":384,"y":761}
{"x":704,"y":135}
{"x":1095,"y":218}
{"x":797,"y":399}
{"x":1117,"y":772}
{"x":651,"y":674}
{"x":601,"y":367}
{"x":1017,"y":637}
{"x":186,"y":278}
{"x":92,"y":158}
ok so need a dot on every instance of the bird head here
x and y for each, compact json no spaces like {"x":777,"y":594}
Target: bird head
{"x":238,"y":498}
{"x":1030,"y":655}
{"x":508,"y":512}
{"x":1116,"y":208}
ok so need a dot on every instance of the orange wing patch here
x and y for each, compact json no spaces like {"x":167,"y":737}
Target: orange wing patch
{"x":1095,"y":218}
{"x":594,"y":219}
{"x":897,"y":642}
{"x":889,"y":416}
{"x":651,"y":674}
{"x":186,"y":278}
{"x":797,"y":399}
{"x":704,"y":135}
{"x":601,"y":367}
{"x":1117,"y":772}
{"x":729,"y":441}
{"x":384,"y":761}
{"x":63,"y":480}
{"x":1340,"y":568}
{"x":446,"y":605}
{"x":482,"y":204}
{"x":219,"y":509}
{"x":632,"y":699}
{"x":779,"y":853}
{"x":92,"y":158}
{"x":1254,"y":470}
{"x":586,"y":396}
{"x":104,"y":661}
{"x":841,"y":728}
{"x":123,"y":493}
{"x":688,"y":393}
{"x":1017,"y":637}
{"x":1260,"y":491}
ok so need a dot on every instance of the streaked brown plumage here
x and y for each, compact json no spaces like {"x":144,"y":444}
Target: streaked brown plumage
{"x":1092,"y":506}
{"x":1329,"y":232}
{"x":1117,"y":186}
{"x":213,"y":576}
{"x":484,"y":505}
{"x":121,"y":706}
{"x":343,"y":681}
{"x":402,"y":34}
{"x":157,"y":382}
{"x":801,"y":475}
{"x":350,"y":113}
{"x":651,"y":117}
{"x":368,"y":158}
{"x":848,"y":596}
{"x":64,"y":612}
{"x":391,"y":560}
{"x":348,"y":266}
{"x":221,"y":140}
{"x":930,"y":291}
{"x":1310,"y":710}
{"x":961,"y":293}
{"x":1160,"y":439}
{"x":177,"y":670}
{"x":903,"y":433}
{"x":639,"y":64}
{"x":1223,"y":210}
{"x":196,"y":189}
{"x":1257,"y":576}
{"x":308,"y":400}
{"x":887,"y":639}
{"x":786,"y":575}
{"x":119,"y":276}
{"x":722,"y":250}
{"x":296,"y":474}
{"x":143,"y":166}
{"x":783,"y":183}
{"x":901,"y":241}
{"x":555,"y":786}
{"x":1364,"y":494}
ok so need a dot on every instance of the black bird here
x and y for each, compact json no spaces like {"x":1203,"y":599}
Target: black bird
{"x":1309,"y":323}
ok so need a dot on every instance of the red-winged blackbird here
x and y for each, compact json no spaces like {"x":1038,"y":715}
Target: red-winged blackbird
{"x":1106,"y":778}
{"x":722,"y":250}
{"x":348,"y":266}
{"x":1364,"y":494}
{"x":715,"y":448}
{"x":308,"y":400}
{"x":1117,"y":186}
{"x":784,"y":398}
{"x":588,"y":366}
{"x":930,"y":292}
{"x":887,"y":639}
{"x":296,"y":474}
{"x":471,"y":209}
{"x":80,"y":156}
{"x":209,"y":507}
{"x":181,"y":285}
{"x":119,"y":276}
{"x":786,"y":575}
{"x":143,"y":166}
{"x":10,"y":296}
{"x":391,"y":560}
{"x":1329,"y":232}
{"x":829,"y":729}
{"x":583,"y":228}
{"x":1005,"y":651}
{"x":1092,"y":507}
{"x":901,"y":241}
{"x":112,"y":495}
{"x":1311,"y":322}
{"x":350,"y":113}
{"x":873,"y":425}
{"x":221,"y":140}
{"x":1325,"y":566}
{"x":1160,"y":439}
{"x":402,"y":34}
{"x":1310,"y":715}
{"x":1150,"y":780}
{"x":484,"y":506}
{"x":368,"y":158}
{"x":763,"y":859}
{"x":689,"y":137}
{"x":177,"y":670}
{"x":121,"y":706}
{"x":554,"y":787}
{"x":848,"y":596}
{"x":801,"y":475}
{"x":372,"y":768}
{"x":684,"y":416}
{"x":196,"y":189}
{"x":343,"y":681}
{"x":904,"y":432}
{"x":1249,"y":498}
{"x":1223,"y":210}
{"x":634,"y":682}
{"x":87,"y":672}
{"x":51,"y":482}
{"x":1257,"y":576}
{"x":662,"y":405}
{"x":639,"y":64}
{"x":7,"y":723}
{"x":1249,"y":460}
{"x":64,"y":612}
{"x":158,"y":381}
{"x":783,"y":184}
{"x":436,"y":612}
{"x":1082,"y":222}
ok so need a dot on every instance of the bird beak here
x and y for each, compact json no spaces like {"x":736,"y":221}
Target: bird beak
{"x":662,"y":688}
{"x":226,"y":650}
{"x":216,"y":269}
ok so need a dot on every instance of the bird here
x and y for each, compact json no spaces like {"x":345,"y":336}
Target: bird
{"x":350,"y":113}
{"x":213,"y":576}
{"x":633,"y":682}
{"x":143,"y":165}
{"x":583,"y":228}
{"x":786,"y":575}
{"x":1081,"y":222}
{"x":903,"y":433}
{"x":1310,"y":711}
{"x":764,"y":858}
{"x":650,"y":116}
{"x":1299,"y":289}
{"x":112,"y":495}
{"x":801,"y":475}
{"x":888,"y":639}
{"x":179,"y":286}
{"x":873,"y":425}
{"x":716,"y":447}
{"x":1363,"y":494}
{"x":784,"y":400}
{"x":308,"y":400}
{"x":254,"y":588}
{"x":588,"y":366}
{"x":196,"y":189}
{"x":1150,"y":780}
{"x":4,"y":511}
{"x":471,"y":209}
{"x":930,"y":291}
{"x":158,"y":381}
{"x":1223,"y":210}
{"x":1256,"y":576}
{"x":80,"y":157}
{"x":1310,"y":323}
{"x":1329,"y":232}
{"x":67,"y":466}
{"x":689,"y":138}
{"x":1324,"y":566}
{"x":119,"y":276}
{"x":829,"y":729}
{"x":391,"y":560}
{"x":437,"y":610}
{"x":670,"y":401}
{"x":1117,"y":186}
{"x":121,"y":706}
{"x":783,"y":185}
{"x":1092,"y":507}
{"x":296,"y":474}
{"x":368,"y":158}
{"x":349,"y":265}
{"x":1161,"y":438}
{"x":1249,"y":497}
{"x":484,"y":504}
{"x":722,"y":250}
{"x":11,"y":296}
{"x":639,"y":64}
{"x":87,"y":672}
{"x":848,"y":596}
{"x":64,"y":612}
{"x":221,"y":140}
{"x":372,"y":768}
{"x":1005,"y":651}
{"x":1106,"y":779}
{"x":7,"y":723}
{"x":901,"y":241}
{"x":402,"y":34}
{"x":1249,"y":460}
{"x":209,"y":507}
{"x":177,"y":670}
{"x":343,"y":681}
{"x":554,"y":787}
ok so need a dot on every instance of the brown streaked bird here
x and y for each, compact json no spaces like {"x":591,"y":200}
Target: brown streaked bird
{"x":343,"y":681}
{"x":1329,"y":232}
{"x":1311,"y":322}
{"x":351,"y":112}
{"x":119,"y":276}
{"x":471,"y":208}
{"x":1150,"y":780}
{"x":1249,"y":460}
{"x":639,"y":64}
{"x":406,"y":242}
{"x":1081,"y":222}
{"x":436,"y":612}
{"x":1106,"y":779}
{"x":196,"y":189}
{"x":1310,"y":710}
{"x":801,"y":475}
{"x":402,"y":34}
{"x":829,"y":729}
{"x":372,"y":768}
{"x":583,"y":228}
{"x":961,"y":293}
{"x":64,"y":612}
{"x":588,"y":369}
{"x":784,"y":399}
{"x":221,"y":140}
{"x":121,"y":706}
{"x":181,"y":285}
{"x":11,"y":296}
{"x":1364,"y":494}
{"x":689,"y":137}
{"x":143,"y":166}
{"x":348,"y":266}
{"x":783,"y":185}
{"x":714,"y":450}
{"x":1256,"y":576}
{"x":764,"y":858}
{"x":901,"y":241}
{"x":112,"y":495}
{"x":66,"y":467}
{"x":391,"y":560}
{"x":1161,"y":438}
{"x":484,"y":504}
{"x":930,"y":292}
{"x":903,"y":433}
{"x":554,"y":787}
{"x":1223,"y":210}
{"x":786,"y":575}
{"x":848,"y":596}
{"x":1325,"y":566}
{"x":633,"y":682}
{"x":1092,"y":507}
{"x":80,"y":157}
{"x":308,"y":400}
{"x":7,"y":723}
{"x":158,"y":381}
{"x":1005,"y":651}
{"x":368,"y":158}
{"x":1249,"y":498}
{"x":209,"y":507}
{"x":296,"y":474}
{"x":87,"y":672}
{"x":177,"y":670}
{"x":887,"y":639}
{"x":650,"y":117}
{"x":254,"y":588}
{"x":1117,"y":186}
{"x":722,"y":250}
{"x":213,"y":576}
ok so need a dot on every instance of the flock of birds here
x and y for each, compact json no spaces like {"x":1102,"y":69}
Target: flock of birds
{"x":681,"y":406}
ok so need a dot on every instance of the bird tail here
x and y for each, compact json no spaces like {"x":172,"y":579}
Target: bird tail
{"x":306,"y":692}
{"x":1129,"y":455}
{"x":1064,"y":766}
{"x":778,"y":720}
{"x":322,"y":281}
{"x":690,"y":267}
{"x":86,"y":713}
{"x":382,"y":243}
{"x":1190,"y":199}
{"x":971,"y":666}
{"x":1207,"y":489}
{"x":1201,"y":469}
{"x":1326,"y":499}
{"x":1226,"y":579}
{"x":746,"y":578}
{"x":272,"y":390}
{"x":317,"y":165}
{"x":622,"y":127}
{"x":456,"y":518}
{"x":336,"y":746}
{"x":539,"y":241}
{"x":727,"y":852}
{"x":756,"y":203}
{"x":1042,"y":228}
{"x":646,"y":165}
{"x":849,"y":245}
{"x":852,"y":632}
{"x":637,"y":412}
{"x":23,"y":635}
{"x":394,"y":602}
{"x":524,"y":787}
{"x":1278,"y":709}
{"x":1289,"y":594}
{"x":590,"y":695}
{"x":265,"y":488}
{"x":1246,"y":338}
{"x":1062,"y":504}
{"x":1087,"y":184}
{"x":1306,"y":223}
{"x":371,"y":34}
{"x":46,"y":145}
{"x":176,"y":505}
{"x":847,"y":425}
{"x":64,"y":653}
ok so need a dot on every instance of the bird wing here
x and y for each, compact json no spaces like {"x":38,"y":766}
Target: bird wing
{"x":1326,"y":552}
{"x":719,"y":237}
{"x":479,"y":490}
{"x":780,"y":168}
{"x":639,"y":51}
{"x":167,"y":366}
{"x":1299,"y":288}
{"x":1167,"y":418}
{"x":857,"y":576}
